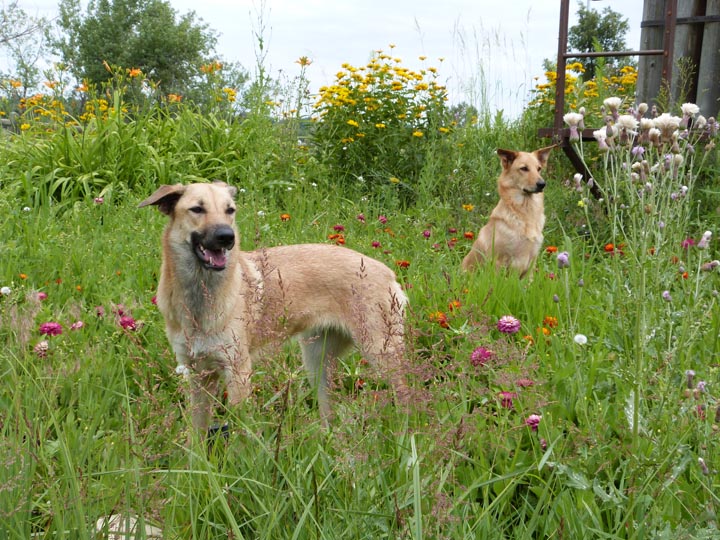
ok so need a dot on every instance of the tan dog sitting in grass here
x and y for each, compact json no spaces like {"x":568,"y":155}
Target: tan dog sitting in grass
{"x":223,"y":306}
{"x":513,"y":234}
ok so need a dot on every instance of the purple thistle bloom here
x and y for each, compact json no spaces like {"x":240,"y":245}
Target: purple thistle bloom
{"x":51,"y":329}
{"x":666,"y":296}
{"x":563,"y":259}
{"x":426,"y":233}
{"x":480,"y":356}
{"x":382,"y":219}
{"x":533,"y":421}
{"x":508,"y":324}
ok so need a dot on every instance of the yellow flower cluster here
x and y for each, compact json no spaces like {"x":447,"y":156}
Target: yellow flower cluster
{"x":581,"y":93}
{"x":381,"y":94}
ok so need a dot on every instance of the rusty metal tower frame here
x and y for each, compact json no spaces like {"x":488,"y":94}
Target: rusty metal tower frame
{"x":560,"y":134}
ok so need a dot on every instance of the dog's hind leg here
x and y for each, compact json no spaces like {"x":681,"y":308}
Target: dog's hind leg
{"x":319,"y":348}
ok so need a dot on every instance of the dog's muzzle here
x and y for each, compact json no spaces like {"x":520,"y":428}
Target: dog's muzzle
{"x":539,"y":187}
{"x":212,"y":246}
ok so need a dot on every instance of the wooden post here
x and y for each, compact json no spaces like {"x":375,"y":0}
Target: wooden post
{"x":708,"y":94}
{"x":650,"y":67}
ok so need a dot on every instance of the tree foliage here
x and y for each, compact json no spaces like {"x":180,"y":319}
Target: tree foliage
{"x":598,"y":31}
{"x":141,"y":34}
{"x":21,"y":36}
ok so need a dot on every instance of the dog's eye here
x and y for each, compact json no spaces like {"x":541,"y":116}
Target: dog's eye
{"x":525,"y":168}
{"x":230,"y":211}
{"x":197,"y":210}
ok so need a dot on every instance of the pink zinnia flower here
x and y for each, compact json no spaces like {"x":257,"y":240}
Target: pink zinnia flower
{"x":361,"y":218}
{"x":506,"y":399}
{"x":338,"y":228}
{"x":426,"y":233}
{"x":376,"y":244}
{"x":480,"y":356}
{"x":533,"y":421}
{"x":127,"y":322}
{"x":51,"y":329}
{"x":41,"y":296}
{"x":77,"y":325}
{"x":382,"y":219}
{"x":508,"y":324}
{"x":524,"y":383}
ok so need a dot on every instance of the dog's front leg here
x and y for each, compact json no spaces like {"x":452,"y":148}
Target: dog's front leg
{"x":203,"y":392}
{"x":238,"y":369}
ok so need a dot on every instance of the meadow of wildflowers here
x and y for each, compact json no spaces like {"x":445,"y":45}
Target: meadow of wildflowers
{"x":579,"y":402}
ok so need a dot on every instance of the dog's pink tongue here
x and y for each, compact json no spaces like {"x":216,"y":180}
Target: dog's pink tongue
{"x":216,"y":258}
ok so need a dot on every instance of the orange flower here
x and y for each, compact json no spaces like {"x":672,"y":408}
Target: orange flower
{"x":550,"y":322}
{"x":23,"y":276}
{"x":469,"y":235}
{"x":454,"y":304}
{"x":439,"y":317}
{"x":284,"y":217}
{"x":338,"y":238}
{"x":402,"y":263}
{"x":529,"y":339}
{"x":684,"y":275}
{"x":609,"y":248}
{"x":135,"y":72}
{"x":551,"y":249}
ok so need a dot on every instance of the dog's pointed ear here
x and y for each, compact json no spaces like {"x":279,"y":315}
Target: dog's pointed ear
{"x":543,"y":153}
{"x":506,"y":157}
{"x":165,"y":198}
{"x":231,"y":189}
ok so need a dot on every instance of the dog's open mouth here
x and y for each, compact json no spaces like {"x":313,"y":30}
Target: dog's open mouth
{"x":212,"y":259}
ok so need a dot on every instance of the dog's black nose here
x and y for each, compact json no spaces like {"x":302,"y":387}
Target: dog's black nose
{"x":540,"y":185}
{"x":224,"y":237}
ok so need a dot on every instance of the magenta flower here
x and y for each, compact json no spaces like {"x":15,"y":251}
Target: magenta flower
{"x":99,"y":311}
{"x":153,"y":300}
{"x":98,"y":200}
{"x":508,"y":324}
{"x":127,"y":322}
{"x":533,"y":421}
{"x":361,"y":218}
{"x":41,"y":296}
{"x":338,"y":228}
{"x":524,"y":383}
{"x":426,"y":233}
{"x":382,"y":219}
{"x":77,"y":325}
{"x":480,"y":356}
{"x":506,"y":399}
{"x":687,"y":243}
{"x":376,"y":244}
{"x":51,"y":329}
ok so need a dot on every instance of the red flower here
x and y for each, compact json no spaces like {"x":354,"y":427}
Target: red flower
{"x":469,"y":235}
{"x":402,"y":263}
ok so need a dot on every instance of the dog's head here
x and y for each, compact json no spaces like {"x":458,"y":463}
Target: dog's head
{"x":202,"y":219}
{"x":522,"y":170}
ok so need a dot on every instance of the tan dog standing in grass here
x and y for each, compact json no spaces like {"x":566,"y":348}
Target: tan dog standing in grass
{"x":222,"y":306}
{"x":513,"y":234}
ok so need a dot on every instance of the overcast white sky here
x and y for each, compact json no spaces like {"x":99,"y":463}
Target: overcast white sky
{"x":502,"y":42}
